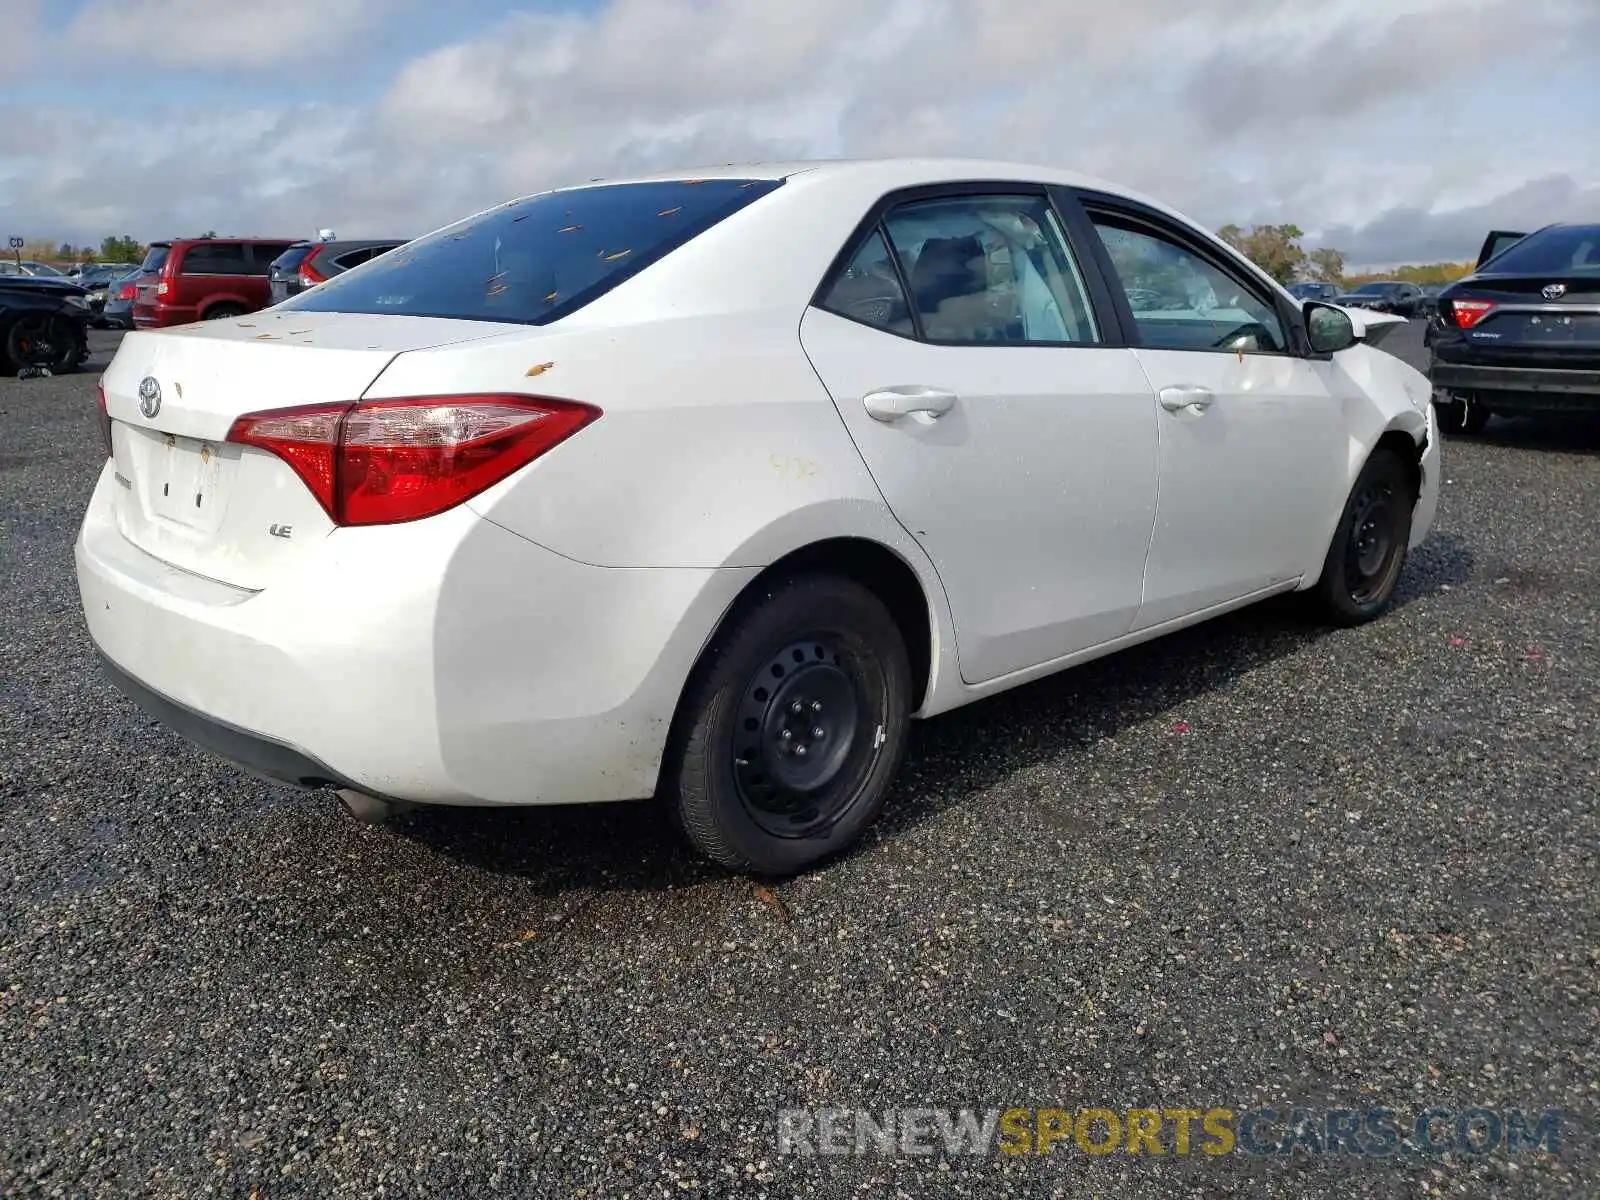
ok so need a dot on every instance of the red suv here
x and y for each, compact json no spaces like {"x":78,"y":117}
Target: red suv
{"x":202,"y":279}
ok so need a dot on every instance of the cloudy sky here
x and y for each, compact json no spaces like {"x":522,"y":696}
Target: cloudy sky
{"x":1396,"y":130}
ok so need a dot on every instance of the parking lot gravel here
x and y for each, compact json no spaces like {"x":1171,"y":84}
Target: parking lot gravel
{"x":1255,"y":864}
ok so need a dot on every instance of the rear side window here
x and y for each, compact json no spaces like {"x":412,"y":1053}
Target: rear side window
{"x":536,"y":260}
{"x":1564,"y":250}
{"x":216,"y":258}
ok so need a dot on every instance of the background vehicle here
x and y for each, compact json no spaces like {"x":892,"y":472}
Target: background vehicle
{"x":306,"y":264}
{"x":1522,"y":333}
{"x":42,"y":326}
{"x":701,"y":486}
{"x":29,"y":267}
{"x":1312,"y":290}
{"x":1428,"y":298}
{"x":97,"y":280}
{"x":1383,"y":295}
{"x":204,"y":279}
{"x":116,"y":312}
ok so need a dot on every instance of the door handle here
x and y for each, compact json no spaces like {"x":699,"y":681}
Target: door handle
{"x":1186,"y":397}
{"x":892,"y":403}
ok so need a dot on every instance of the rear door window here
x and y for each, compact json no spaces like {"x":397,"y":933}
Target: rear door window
{"x":355,"y":258}
{"x":216,"y":258}
{"x":990,"y":269}
{"x":536,"y":260}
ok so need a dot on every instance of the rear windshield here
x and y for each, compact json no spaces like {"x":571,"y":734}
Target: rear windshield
{"x":1561,"y":250}
{"x":290,"y":259}
{"x":1374,"y":289}
{"x":536,"y":260}
{"x":155,"y":258}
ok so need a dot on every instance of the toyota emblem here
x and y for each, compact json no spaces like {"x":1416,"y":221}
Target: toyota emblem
{"x":149,"y":396}
{"x":1554,"y":291}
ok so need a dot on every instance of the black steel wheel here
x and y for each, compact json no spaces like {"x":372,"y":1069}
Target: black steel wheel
{"x":791,"y":728}
{"x":1368,"y":550}
{"x":798,"y":721}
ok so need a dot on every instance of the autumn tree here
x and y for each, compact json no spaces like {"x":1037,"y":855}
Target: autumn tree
{"x":1274,"y":248}
{"x":121,"y":250}
{"x":1326,"y":265}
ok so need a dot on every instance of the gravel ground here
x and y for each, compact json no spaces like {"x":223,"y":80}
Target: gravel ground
{"x":1253,"y":864}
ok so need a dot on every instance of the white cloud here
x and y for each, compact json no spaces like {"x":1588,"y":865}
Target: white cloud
{"x":219,"y":34}
{"x":1372,"y":123}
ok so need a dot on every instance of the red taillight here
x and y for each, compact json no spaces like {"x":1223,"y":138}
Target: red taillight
{"x":309,"y":275}
{"x":384,"y":461}
{"x":105,"y":417}
{"x":128,"y":292}
{"x":1469,"y":312}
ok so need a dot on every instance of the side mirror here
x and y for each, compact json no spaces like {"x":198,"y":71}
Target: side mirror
{"x":1328,"y":328}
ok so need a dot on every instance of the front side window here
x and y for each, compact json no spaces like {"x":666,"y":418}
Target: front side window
{"x":1181,"y":301}
{"x":991,"y":269}
{"x":536,"y":260}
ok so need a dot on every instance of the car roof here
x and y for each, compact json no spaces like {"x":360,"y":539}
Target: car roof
{"x":894,"y":172}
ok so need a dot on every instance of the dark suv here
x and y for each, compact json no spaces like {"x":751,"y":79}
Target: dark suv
{"x":306,"y":264}
{"x":203,"y":279}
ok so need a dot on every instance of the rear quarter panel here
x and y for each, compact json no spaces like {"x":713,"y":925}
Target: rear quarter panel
{"x":717,"y":447}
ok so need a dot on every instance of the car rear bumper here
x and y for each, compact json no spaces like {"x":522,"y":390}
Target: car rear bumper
{"x":447,"y":661}
{"x":1521,"y":389}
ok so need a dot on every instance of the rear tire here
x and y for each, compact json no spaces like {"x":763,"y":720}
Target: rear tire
{"x":791,"y":728}
{"x":1368,"y":550}
{"x":221,"y":312}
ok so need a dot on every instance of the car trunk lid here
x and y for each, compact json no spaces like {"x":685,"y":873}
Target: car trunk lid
{"x":232,"y":513}
{"x":1560,"y":311}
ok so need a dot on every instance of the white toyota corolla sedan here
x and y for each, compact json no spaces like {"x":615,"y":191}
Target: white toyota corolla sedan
{"x":702,"y":487}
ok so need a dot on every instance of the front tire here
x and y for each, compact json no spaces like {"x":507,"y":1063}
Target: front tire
{"x":35,"y":341}
{"x":1369,"y":544}
{"x":791,"y":728}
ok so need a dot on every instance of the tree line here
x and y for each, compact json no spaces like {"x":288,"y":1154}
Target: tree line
{"x":1276,"y":250}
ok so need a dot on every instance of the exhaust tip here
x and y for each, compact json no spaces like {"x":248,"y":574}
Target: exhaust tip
{"x":370,"y":810}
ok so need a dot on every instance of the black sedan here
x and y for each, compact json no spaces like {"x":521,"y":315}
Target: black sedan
{"x":1521,"y":335}
{"x":44,"y":323}
{"x":1383,"y":295}
{"x":1326,"y":292}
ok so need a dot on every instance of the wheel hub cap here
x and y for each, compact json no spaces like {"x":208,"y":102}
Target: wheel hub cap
{"x":794,"y":731}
